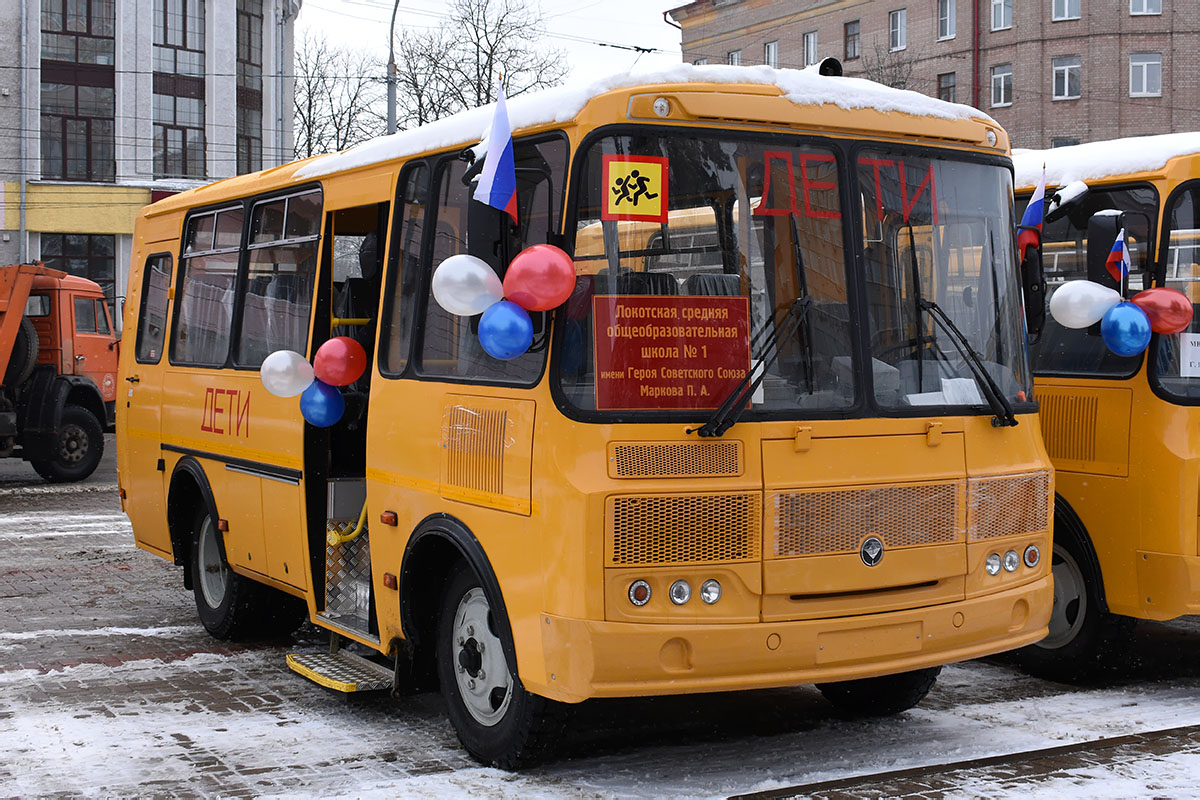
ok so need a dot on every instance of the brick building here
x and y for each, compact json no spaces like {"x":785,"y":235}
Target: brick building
{"x":1052,"y":72}
{"x":109,"y":103}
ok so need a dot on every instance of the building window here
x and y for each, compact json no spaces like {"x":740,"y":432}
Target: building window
{"x":700,"y":62}
{"x":1001,"y":14}
{"x":1145,"y":75}
{"x":1064,"y":9}
{"x":179,"y":89}
{"x":852,"y":40}
{"x":1066,"y":77}
{"x":1002,"y":85}
{"x":1064,"y":141}
{"x":249,"y":89}
{"x":77,"y":94}
{"x":947,"y":83}
{"x":1145,"y":7}
{"x":810,"y":48}
{"x":946,"y":19}
{"x":87,"y":255}
{"x":771,"y":54}
{"x":735,"y":57}
{"x":898,"y":29}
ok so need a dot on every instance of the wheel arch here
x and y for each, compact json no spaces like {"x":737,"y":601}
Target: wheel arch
{"x":189,"y":491}
{"x":437,"y":543}
{"x":1068,"y":524}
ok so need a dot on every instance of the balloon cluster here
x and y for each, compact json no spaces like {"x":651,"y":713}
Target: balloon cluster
{"x":1125,"y":325}
{"x":339,"y":362}
{"x":540,"y":278}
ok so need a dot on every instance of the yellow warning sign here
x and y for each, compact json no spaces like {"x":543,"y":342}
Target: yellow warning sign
{"x":636,"y":188}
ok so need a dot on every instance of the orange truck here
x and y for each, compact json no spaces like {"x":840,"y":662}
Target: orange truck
{"x":58,"y":359}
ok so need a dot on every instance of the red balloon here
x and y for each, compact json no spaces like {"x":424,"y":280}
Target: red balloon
{"x":540,"y":278}
{"x":340,"y":361}
{"x":1169,"y":310}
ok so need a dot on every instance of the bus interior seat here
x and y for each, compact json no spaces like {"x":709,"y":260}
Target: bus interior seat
{"x":631,"y":282}
{"x":713,"y":284}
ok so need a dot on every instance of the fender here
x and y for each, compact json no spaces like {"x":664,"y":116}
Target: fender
{"x":43,"y":403}
{"x":179,"y":521}
{"x":454,"y":533}
{"x":1065,"y":516}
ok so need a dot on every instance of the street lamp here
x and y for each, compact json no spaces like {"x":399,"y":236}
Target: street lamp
{"x":391,"y":72}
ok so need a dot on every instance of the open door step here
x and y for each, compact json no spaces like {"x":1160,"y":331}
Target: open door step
{"x":341,"y":671}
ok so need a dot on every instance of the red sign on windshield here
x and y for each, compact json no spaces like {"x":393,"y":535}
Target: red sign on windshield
{"x":669,"y":352}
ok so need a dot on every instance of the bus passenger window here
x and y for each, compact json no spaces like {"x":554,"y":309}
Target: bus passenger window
{"x":152,"y":316}
{"x":205,"y":294}
{"x":280,"y":278}
{"x":401,"y":298}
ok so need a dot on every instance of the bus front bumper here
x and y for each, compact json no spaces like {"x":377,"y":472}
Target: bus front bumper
{"x":588,"y":658}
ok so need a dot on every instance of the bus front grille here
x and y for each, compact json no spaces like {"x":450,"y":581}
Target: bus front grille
{"x":1008,"y":505}
{"x":651,"y":530}
{"x":830,"y":521}
{"x":675,"y":459}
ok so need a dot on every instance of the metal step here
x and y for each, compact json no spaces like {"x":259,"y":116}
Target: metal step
{"x":341,"y":671}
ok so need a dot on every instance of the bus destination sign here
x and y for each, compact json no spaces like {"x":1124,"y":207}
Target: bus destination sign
{"x":655,"y":352}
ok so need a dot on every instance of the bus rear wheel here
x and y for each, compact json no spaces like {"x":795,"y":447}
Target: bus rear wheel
{"x":882,"y":696}
{"x":224,"y":599}
{"x":497,"y":721}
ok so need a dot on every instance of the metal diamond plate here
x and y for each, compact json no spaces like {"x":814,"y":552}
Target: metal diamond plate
{"x":348,"y":578}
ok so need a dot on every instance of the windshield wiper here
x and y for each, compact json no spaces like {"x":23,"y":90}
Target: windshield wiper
{"x":767,"y":341}
{"x":1003,"y":410}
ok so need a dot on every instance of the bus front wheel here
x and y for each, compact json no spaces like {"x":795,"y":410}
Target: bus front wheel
{"x":882,"y":696}
{"x":496,"y":719}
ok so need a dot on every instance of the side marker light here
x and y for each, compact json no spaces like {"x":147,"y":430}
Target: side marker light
{"x":639,"y":593}
{"x":1033,"y":556}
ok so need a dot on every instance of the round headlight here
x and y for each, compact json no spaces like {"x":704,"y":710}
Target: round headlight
{"x":710,"y":591}
{"x":639,"y":593}
{"x":1033,"y":556}
{"x":992,"y":565}
{"x":680,"y":592}
{"x":1011,"y":561}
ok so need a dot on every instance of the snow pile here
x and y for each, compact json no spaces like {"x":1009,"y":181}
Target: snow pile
{"x":561,"y":104}
{"x":1099,"y":160}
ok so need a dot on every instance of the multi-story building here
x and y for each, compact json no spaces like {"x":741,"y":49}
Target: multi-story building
{"x":1052,"y":72}
{"x":107,"y":105}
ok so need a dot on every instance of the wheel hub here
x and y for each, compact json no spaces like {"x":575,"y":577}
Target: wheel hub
{"x":214,"y":575}
{"x":481,"y":671}
{"x":1070,"y":601}
{"x":72,"y":445}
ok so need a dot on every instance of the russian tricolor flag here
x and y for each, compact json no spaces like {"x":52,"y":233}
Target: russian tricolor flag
{"x":497,"y":185}
{"x":1029,"y":233}
{"x":1117,"y":262}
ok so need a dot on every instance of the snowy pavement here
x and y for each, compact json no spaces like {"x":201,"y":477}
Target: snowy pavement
{"x":109,"y":687}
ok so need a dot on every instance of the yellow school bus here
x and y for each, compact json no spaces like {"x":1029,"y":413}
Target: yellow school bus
{"x":1123,"y":432}
{"x":750,"y":450}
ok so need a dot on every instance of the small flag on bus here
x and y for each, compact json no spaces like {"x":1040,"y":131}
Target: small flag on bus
{"x":1117,"y":262}
{"x":497,"y":185}
{"x":1029,"y":232}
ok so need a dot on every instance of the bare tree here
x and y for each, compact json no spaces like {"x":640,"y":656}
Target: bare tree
{"x":891,"y":67}
{"x":338,"y":94}
{"x":424,"y":92}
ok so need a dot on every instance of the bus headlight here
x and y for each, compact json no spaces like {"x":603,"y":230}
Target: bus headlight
{"x":710,"y":591}
{"x":680,"y":592}
{"x":1011,"y":561}
{"x":992,"y":565}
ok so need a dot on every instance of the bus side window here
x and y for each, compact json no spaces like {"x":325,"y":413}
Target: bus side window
{"x":280,"y":278}
{"x":152,"y":316}
{"x":205,"y":293}
{"x":405,"y":268}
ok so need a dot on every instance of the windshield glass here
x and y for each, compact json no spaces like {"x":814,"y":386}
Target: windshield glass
{"x":940,"y":232}
{"x":691,"y":251}
{"x":1176,"y":365}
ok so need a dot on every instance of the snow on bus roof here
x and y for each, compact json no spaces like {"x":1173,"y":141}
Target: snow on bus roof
{"x":561,"y":104}
{"x":1099,"y":160}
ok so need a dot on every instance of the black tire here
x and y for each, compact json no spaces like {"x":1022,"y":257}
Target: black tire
{"x":882,"y":696}
{"x":225,"y":601}
{"x":24,"y":355}
{"x":497,"y":721}
{"x":76,"y":451}
{"x":1085,"y":640}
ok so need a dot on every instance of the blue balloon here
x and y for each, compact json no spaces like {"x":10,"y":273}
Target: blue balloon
{"x":505,"y":330}
{"x":1125,"y":328}
{"x":322,"y":405}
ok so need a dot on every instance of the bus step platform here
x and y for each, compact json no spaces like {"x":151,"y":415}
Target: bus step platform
{"x":341,"y":671}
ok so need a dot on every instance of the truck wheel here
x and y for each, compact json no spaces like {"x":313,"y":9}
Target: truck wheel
{"x":497,"y":721}
{"x":24,"y":355}
{"x":882,"y":696}
{"x":77,"y":450}
{"x":224,"y":599}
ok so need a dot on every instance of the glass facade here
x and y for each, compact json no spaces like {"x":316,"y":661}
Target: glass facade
{"x":179,"y":150}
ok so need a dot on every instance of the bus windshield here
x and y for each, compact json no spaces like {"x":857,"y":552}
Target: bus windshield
{"x":690,"y":252}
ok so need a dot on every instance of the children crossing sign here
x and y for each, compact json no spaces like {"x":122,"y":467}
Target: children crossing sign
{"x":635,"y":188}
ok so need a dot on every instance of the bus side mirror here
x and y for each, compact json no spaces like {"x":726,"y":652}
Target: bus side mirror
{"x":1033,"y":290}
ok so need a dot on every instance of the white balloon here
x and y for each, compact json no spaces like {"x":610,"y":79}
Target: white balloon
{"x":466,"y":285}
{"x":1078,"y":304}
{"x":286,"y":373}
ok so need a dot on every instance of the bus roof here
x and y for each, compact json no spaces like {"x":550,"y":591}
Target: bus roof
{"x":1099,"y":160}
